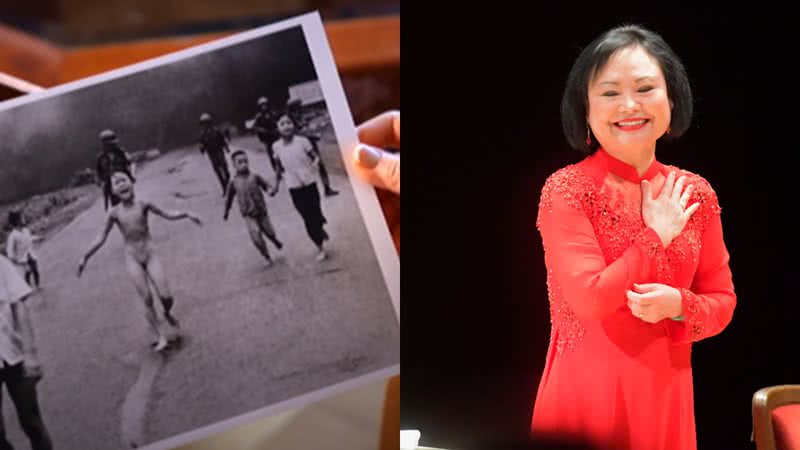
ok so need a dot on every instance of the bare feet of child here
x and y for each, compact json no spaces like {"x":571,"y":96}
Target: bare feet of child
{"x":160,"y":344}
{"x":174,"y":336}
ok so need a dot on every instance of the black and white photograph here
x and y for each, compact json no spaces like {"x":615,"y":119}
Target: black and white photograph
{"x":183,"y":247}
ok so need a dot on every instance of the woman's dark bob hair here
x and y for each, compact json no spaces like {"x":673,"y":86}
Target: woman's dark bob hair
{"x":575,"y":103}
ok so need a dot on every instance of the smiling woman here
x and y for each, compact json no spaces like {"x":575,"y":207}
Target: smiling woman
{"x":637,"y":268}
{"x":629,"y":106}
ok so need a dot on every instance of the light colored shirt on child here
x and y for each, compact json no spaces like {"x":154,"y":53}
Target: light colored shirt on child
{"x":296,"y":158}
{"x":19,"y":246}
{"x":13,"y":288}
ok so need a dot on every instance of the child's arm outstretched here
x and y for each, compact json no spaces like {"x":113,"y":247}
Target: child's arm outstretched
{"x":262,"y":183}
{"x":308,"y":147}
{"x":229,"y":196}
{"x":97,"y":243}
{"x":278,"y":174}
{"x":226,"y":141}
{"x":11,"y":248}
{"x":173,"y":215}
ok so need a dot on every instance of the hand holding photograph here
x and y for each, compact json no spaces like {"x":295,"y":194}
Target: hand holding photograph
{"x":138,"y":309}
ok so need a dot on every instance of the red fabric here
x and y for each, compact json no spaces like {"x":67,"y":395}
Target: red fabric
{"x":610,"y":377}
{"x":786,"y":424}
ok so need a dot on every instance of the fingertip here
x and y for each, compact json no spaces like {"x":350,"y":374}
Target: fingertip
{"x":367,"y":156}
{"x":692,"y":209}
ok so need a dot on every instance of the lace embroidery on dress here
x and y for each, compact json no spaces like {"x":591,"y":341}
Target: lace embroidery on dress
{"x":691,"y":313}
{"x":617,"y":221}
{"x":579,"y":192}
{"x":689,"y":243}
{"x":566,"y":328}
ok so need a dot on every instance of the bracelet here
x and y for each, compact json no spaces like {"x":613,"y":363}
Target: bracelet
{"x":678,"y":318}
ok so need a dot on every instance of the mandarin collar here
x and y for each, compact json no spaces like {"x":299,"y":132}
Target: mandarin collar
{"x":625,"y":170}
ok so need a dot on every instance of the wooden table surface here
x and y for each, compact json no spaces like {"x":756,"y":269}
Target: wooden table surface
{"x":358,"y":45}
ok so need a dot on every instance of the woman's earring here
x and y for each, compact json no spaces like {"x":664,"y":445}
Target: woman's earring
{"x":588,"y":136}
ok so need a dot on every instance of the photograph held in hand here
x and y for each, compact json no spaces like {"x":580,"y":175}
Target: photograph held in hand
{"x":158,"y":312}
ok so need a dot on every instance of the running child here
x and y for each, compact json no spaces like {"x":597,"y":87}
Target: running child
{"x":20,"y":249}
{"x":299,"y":165}
{"x":247,"y":187}
{"x":141,"y":260}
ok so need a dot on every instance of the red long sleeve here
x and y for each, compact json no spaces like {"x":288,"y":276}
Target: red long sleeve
{"x":708,"y":306}
{"x":611,"y":377}
{"x":592,"y":288}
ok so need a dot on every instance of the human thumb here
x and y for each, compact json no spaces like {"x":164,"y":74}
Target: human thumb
{"x":382,"y":168}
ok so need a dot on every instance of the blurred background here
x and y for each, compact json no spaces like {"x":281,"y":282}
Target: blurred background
{"x":47,"y":41}
{"x":88,"y":22}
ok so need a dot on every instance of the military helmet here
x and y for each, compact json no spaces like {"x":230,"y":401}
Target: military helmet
{"x":205,"y":118}
{"x":262,"y":101}
{"x":107,"y":135}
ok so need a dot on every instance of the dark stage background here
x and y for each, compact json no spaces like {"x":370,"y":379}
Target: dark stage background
{"x":482,"y":134}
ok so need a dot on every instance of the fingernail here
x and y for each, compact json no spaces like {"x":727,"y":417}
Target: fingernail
{"x":368,"y":156}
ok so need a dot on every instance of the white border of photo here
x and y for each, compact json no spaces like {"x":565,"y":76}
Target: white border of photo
{"x":365,"y":195}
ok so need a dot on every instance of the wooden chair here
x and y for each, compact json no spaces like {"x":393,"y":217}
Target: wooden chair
{"x":776,"y":418}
